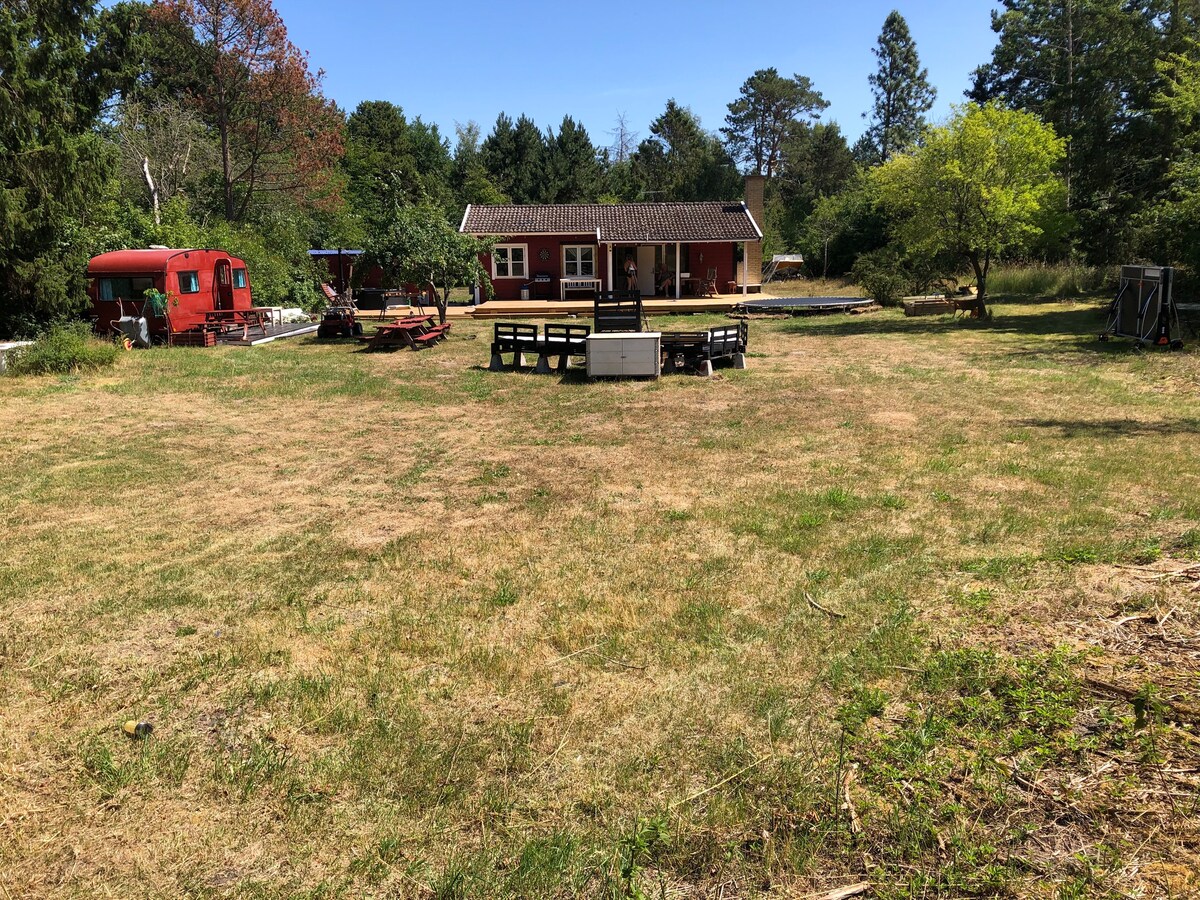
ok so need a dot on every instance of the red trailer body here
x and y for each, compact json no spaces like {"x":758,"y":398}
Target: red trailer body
{"x":194,"y":282}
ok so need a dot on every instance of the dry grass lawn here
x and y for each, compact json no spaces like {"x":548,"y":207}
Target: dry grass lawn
{"x":907,"y":603}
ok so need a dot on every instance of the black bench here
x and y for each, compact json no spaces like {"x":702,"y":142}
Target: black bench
{"x":700,"y":349}
{"x":614,"y":311}
{"x":562,"y":341}
{"x":557,"y":341}
{"x":515,"y":338}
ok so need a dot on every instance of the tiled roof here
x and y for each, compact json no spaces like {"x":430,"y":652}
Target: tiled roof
{"x":620,"y":223}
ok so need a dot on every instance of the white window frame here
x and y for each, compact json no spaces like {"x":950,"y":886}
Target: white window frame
{"x":577,"y":274}
{"x":524,"y":273}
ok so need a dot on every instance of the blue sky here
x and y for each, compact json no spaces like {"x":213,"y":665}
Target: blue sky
{"x":462,"y":60}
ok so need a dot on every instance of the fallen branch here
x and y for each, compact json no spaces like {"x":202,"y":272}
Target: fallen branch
{"x":850,"y":890}
{"x":815,"y":605}
{"x":555,"y":662}
{"x":848,"y":804}
{"x":711,"y":788}
{"x":1186,"y":572}
{"x":1173,"y":711}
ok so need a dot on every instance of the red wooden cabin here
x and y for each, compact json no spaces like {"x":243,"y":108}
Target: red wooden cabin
{"x":195,"y":282}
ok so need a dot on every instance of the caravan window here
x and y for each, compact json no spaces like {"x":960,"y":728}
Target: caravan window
{"x":239,"y":278}
{"x":125,"y":288}
{"x":189,"y":282}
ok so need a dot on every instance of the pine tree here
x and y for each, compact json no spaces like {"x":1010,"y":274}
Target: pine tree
{"x":902,"y":93}
{"x":769,"y":109}
{"x":515,"y":158}
{"x":277,"y":132}
{"x":682,"y":161}
{"x":572,"y":165}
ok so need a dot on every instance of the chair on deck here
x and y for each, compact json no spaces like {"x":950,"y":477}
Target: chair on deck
{"x":708,"y":285}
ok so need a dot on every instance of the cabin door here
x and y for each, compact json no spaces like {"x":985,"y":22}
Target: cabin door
{"x":645,"y":264}
{"x":223,"y":285}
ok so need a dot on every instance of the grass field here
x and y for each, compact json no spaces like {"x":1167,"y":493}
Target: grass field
{"x":903,"y":606}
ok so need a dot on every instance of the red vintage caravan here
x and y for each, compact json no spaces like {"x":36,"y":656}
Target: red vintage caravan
{"x":196,"y":283}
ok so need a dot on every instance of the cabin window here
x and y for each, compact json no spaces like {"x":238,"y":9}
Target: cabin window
{"x":579,"y":261}
{"x":509,"y":261}
{"x":189,"y":282}
{"x":125,"y":288}
{"x":239,"y":278}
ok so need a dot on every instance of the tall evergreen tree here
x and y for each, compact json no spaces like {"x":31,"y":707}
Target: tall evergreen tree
{"x":53,"y":81}
{"x":515,"y":158}
{"x":471,"y":181}
{"x":390,"y":159}
{"x":682,"y":161}
{"x":901,"y":89}
{"x":573,"y":167}
{"x":816,"y":162}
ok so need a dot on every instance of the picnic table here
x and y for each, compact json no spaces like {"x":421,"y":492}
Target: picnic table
{"x":223,"y":318}
{"x":413,"y":332}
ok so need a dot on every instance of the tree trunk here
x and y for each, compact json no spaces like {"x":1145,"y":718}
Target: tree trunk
{"x":153,"y":190}
{"x":981,"y":267}
{"x":223,"y":127}
{"x":440,"y":300}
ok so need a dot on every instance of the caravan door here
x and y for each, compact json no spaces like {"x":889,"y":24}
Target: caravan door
{"x":223,"y":285}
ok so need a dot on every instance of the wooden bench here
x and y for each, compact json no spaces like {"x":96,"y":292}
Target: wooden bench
{"x":700,"y":349}
{"x":516,"y":338}
{"x":617,"y":311}
{"x":928,"y":306}
{"x":563,"y":342}
{"x":577,"y":283}
{"x":557,"y":341}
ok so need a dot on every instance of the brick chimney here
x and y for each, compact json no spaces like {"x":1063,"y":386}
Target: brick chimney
{"x":755,"y":185}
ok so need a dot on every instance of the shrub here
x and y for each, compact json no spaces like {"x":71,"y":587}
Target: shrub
{"x":881,"y":275}
{"x":65,"y":348}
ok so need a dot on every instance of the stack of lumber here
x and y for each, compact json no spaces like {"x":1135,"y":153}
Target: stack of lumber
{"x":928,"y":306}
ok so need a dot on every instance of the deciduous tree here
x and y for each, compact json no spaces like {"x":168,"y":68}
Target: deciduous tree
{"x":276,"y":131}
{"x":165,"y":147}
{"x":977,"y":187}
{"x":416,"y":245}
{"x":1087,"y":67}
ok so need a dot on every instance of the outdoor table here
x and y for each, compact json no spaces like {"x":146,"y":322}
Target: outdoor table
{"x":243,"y":317}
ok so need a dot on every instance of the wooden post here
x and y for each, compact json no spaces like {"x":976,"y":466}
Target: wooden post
{"x":678,"y":269}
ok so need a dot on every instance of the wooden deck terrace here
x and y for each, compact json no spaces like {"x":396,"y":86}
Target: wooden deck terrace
{"x":557,"y":309}
{"x":273,"y":333}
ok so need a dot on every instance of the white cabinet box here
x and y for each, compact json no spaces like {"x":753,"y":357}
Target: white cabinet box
{"x":624,"y":354}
